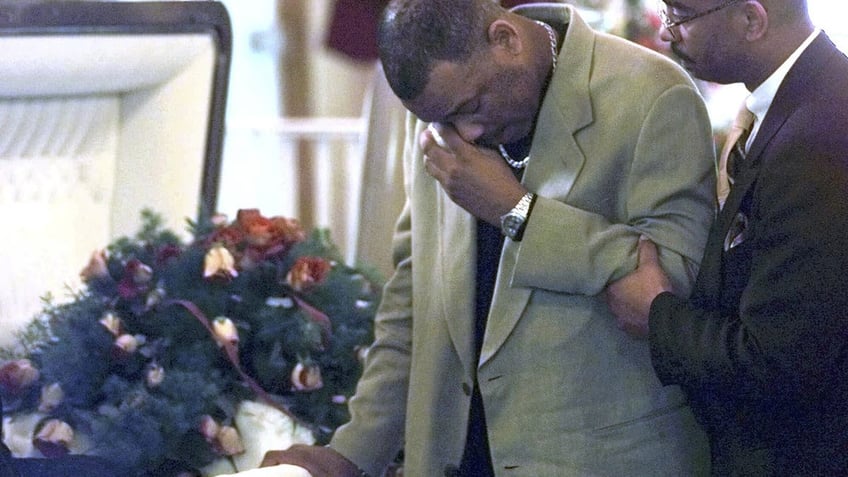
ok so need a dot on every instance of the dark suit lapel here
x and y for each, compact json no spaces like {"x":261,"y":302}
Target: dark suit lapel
{"x":707,"y":287}
{"x":792,"y":92}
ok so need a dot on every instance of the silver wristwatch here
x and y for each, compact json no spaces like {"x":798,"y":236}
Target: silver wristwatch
{"x":514,"y":221}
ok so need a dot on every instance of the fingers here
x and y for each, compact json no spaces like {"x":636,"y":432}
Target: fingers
{"x":273,"y":458}
{"x":435,"y":135}
{"x":433,"y":129}
{"x":431,"y":167}
{"x":437,"y":152}
{"x":648,"y":254}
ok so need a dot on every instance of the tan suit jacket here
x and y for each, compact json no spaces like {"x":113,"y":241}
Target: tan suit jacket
{"x":623,"y":147}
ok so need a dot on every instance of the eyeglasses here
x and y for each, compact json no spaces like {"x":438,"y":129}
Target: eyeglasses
{"x":671,"y":20}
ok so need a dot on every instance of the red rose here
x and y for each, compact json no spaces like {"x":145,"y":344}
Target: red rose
{"x":136,"y":279}
{"x":257,"y":229}
{"x":230,"y":236}
{"x":288,"y":231}
{"x":308,"y":272}
{"x":167,"y":253}
{"x":17,"y":376}
{"x":271,"y":236}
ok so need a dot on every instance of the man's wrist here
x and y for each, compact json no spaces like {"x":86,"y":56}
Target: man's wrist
{"x":360,"y":472}
{"x":514,"y":222}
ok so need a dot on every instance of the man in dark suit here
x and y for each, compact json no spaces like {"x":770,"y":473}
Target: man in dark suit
{"x":761,"y":345}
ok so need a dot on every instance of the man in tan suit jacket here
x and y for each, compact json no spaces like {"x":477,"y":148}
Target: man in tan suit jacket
{"x":619,"y":146}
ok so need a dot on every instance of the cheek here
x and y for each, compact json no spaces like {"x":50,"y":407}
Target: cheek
{"x":518,"y":96}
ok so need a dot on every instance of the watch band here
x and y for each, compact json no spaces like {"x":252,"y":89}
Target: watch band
{"x":514,"y":221}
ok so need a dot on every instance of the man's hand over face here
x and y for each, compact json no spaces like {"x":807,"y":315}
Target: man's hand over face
{"x":630,"y":298}
{"x":475,"y":178}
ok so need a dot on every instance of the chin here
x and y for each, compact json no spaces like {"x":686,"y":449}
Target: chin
{"x":486,"y":143}
{"x":514,"y":135}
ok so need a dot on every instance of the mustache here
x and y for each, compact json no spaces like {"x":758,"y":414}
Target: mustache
{"x":676,"y":51}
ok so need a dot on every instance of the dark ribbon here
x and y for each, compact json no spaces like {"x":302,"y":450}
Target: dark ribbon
{"x":232,"y":355}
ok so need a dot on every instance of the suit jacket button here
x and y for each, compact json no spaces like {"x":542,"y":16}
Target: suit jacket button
{"x":466,"y":389}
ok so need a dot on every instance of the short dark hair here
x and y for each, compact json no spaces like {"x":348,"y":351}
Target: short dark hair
{"x":414,"y":34}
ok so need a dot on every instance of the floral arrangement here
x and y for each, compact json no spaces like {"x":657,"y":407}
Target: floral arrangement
{"x":151,"y":360}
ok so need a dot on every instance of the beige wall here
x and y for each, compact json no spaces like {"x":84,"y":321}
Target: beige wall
{"x":315,"y":80}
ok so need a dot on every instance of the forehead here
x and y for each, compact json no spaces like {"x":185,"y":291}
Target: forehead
{"x":448,"y":87}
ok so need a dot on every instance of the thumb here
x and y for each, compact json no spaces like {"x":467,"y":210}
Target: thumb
{"x":435,"y":130}
{"x":451,"y":139}
{"x":647,"y":252}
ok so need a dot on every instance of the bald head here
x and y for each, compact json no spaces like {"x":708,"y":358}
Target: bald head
{"x":775,"y":29}
{"x":414,"y":34}
{"x":786,"y":13}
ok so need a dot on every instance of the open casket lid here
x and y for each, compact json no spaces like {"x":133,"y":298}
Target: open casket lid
{"x":106,"y":108}
{"x":133,"y":49}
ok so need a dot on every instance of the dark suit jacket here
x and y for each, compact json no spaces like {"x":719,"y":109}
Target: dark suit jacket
{"x":761,"y":347}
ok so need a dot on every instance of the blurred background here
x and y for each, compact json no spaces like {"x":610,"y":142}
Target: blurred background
{"x":311,"y":132}
{"x":310,"y":121}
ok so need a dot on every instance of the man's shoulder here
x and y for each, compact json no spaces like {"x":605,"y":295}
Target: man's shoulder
{"x":624,"y":58}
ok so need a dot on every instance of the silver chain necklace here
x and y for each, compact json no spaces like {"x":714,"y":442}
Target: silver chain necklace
{"x":553,"y":38}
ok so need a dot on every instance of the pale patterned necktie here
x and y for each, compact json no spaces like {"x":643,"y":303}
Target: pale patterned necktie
{"x":733,"y":151}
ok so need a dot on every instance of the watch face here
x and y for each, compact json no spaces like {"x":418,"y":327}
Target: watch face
{"x":511,"y":225}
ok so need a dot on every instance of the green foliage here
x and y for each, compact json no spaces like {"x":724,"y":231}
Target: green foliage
{"x":147,"y":305}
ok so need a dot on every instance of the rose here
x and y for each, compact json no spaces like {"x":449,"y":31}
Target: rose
{"x":258,"y":229}
{"x":17,"y":376}
{"x":252,"y":237}
{"x":52,"y":396}
{"x":287,"y":230}
{"x":225,"y":331}
{"x":53,"y":438}
{"x":219,"y":262}
{"x":272,"y":235}
{"x":307,"y":272}
{"x":96,"y":267}
{"x":111,"y":322}
{"x":135,"y":280}
{"x":167,"y":254}
{"x":306,"y":377}
{"x":228,"y":236}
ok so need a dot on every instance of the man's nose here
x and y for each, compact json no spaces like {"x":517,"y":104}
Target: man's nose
{"x":468,"y":131}
{"x":667,"y":35}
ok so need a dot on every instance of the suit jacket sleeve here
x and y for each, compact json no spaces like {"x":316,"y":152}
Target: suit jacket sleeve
{"x":374,"y":435}
{"x":787,"y":338}
{"x":666,"y":194}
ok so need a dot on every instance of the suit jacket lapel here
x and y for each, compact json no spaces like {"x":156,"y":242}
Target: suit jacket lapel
{"x":789,"y":97}
{"x":555,"y":161}
{"x":792,"y":92}
{"x":458,"y":251}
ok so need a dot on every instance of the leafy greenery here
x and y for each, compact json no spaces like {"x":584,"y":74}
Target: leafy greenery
{"x":166,"y":334}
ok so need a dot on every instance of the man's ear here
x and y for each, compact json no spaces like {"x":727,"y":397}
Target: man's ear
{"x":503,"y":34}
{"x":756,"y":19}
